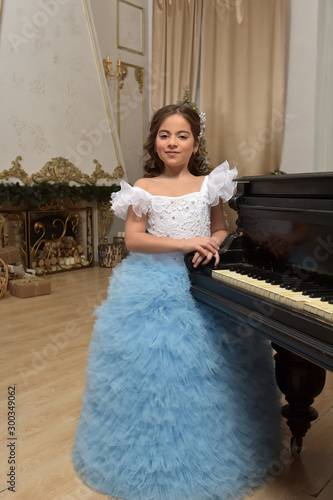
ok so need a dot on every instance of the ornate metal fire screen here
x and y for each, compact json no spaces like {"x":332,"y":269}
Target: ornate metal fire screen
{"x":52,"y":240}
{"x":60,"y":240}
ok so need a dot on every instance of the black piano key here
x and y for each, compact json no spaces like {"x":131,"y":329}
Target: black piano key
{"x":319,"y":289}
{"x":254,"y":273}
{"x":321,"y":294}
{"x":326,"y":298}
{"x":306,"y":286}
{"x":289,"y":283}
{"x":278,"y":279}
{"x":257,"y":275}
{"x":240,"y":270}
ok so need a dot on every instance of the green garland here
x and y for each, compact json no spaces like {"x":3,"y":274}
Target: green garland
{"x":35,"y":195}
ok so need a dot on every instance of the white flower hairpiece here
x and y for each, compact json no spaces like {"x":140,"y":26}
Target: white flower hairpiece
{"x":202,"y":124}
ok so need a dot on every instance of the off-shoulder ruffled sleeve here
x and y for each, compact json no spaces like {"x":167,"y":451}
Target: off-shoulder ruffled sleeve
{"x":221,"y":183}
{"x":129,"y":196}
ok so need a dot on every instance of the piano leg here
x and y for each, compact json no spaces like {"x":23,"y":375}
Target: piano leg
{"x":300,"y":381}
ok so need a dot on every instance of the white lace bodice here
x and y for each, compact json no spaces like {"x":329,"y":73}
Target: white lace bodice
{"x":177,"y":217}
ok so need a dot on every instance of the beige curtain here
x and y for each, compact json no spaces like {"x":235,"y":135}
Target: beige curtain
{"x":175,"y":49}
{"x":242,"y":82}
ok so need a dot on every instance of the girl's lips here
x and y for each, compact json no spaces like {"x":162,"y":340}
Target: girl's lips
{"x":172,"y":153}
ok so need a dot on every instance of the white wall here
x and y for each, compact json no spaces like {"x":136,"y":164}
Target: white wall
{"x":323,"y":155}
{"x":308,"y":143}
{"x":298,"y":149}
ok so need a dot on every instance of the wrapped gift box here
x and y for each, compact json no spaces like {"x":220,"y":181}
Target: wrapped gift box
{"x":10,"y":255}
{"x":29,"y":287}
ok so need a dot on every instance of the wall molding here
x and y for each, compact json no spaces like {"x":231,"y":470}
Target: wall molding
{"x":60,"y":170}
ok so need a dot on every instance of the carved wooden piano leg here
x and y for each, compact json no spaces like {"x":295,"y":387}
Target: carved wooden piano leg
{"x":300,"y":381}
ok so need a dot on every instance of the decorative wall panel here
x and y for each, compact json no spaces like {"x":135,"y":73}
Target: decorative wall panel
{"x":130,"y":27}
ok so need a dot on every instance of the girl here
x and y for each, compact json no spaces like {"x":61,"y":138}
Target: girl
{"x":180,"y":403}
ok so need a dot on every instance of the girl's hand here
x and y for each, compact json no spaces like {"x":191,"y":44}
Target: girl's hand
{"x":205,"y":259}
{"x":204,"y":248}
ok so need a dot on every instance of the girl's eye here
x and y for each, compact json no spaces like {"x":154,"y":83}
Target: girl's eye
{"x":183,"y":136}
{"x":163,"y":136}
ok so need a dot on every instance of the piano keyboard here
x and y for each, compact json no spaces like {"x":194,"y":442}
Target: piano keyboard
{"x":288,"y":298}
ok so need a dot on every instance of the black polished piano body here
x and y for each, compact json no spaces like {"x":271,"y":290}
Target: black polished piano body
{"x":280,"y":255}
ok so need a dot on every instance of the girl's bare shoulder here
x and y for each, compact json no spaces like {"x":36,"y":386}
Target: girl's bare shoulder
{"x":140,"y":183}
{"x":146,"y":183}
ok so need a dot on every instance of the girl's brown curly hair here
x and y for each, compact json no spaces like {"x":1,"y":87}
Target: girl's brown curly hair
{"x":153,"y":166}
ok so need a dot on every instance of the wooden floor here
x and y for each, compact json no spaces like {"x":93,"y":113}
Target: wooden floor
{"x":43,"y":353}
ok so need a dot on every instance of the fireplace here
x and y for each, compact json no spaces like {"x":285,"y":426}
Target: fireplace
{"x":49,"y":216}
{"x":50,"y":241}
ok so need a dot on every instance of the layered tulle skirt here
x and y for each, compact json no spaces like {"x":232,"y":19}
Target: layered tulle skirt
{"x":180,"y":402}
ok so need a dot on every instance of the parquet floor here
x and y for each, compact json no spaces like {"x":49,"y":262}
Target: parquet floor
{"x":44,"y":343}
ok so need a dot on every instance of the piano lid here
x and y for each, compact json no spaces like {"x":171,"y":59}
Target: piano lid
{"x":317,"y":185}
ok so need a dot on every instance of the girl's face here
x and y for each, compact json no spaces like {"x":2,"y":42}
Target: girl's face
{"x":175,"y":142}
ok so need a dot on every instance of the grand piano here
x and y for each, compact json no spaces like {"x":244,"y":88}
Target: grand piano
{"x":275,"y":277}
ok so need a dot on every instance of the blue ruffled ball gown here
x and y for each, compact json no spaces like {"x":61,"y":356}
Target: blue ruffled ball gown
{"x":180,"y":403}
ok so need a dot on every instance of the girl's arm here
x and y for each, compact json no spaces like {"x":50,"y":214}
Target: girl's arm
{"x":219,"y":232}
{"x":219,"y":229}
{"x":137,"y":240}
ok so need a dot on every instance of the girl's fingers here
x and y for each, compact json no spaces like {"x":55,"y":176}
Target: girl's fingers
{"x":197,"y":259}
{"x":205,"y":258}
{"x":201,"y":259}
